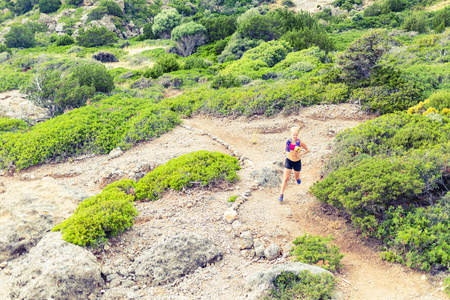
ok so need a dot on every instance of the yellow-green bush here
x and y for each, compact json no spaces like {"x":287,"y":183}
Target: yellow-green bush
{"x":205,"y":167}
{"x":98,"y":218}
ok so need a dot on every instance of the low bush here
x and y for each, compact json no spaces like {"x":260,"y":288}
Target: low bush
{"x":269,"y":52}
{"x":311,"y":249}
{"x":49,"y":6}
{"x":225,"y":81}
{"x":10,"y":79}
{"x":207,"y":168}
{"x":98,"y":218}
{"x":115,"y":121}
{"x":447,"y":285}
{"x":305,"y":285}
{"x":195,"y":63}
{"x":7,"y":124}
{"x":65,"y":40}
{"x":96,"y":36}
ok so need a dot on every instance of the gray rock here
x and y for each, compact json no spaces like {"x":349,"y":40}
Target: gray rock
{"x":246,"y":240}
{"x":267,"y":177}
{"x":117,"y":293}
{"x":175,"y":257}
{"x":272,"y":251}
{"x":261,"y":283}
{"x":128,"y":283}
{"x":260,"y":251}
{"x":116,"y":152}
{"x":29,"y":211}
{"x":55,"y":269}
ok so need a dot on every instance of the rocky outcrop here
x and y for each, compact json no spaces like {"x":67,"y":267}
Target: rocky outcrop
{"x":267,"y":177}
{"x":29,"y":211}
{"x":55,"y":269}
{"x":175,"y":257}
{"x":261,"y":283}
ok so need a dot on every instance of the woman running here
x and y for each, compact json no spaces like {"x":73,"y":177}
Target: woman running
{"x":293,"y":160}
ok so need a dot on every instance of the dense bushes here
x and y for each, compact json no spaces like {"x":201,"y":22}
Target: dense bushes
{"x":302,"y":286}
{"x":20,"y":36}
{"x":99,"y":128}
{"x":204,"y":167}
{"x":98,"y":218}
{"x":49,"y":6}
{"x":105,"y":57}
{"x":7,"y":124}
{"x":96,"y":36}
{"x":311,"y":249}
{"x":391,"y":176}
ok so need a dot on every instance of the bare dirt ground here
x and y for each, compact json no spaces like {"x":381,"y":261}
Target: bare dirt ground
{"x":261,"y":140}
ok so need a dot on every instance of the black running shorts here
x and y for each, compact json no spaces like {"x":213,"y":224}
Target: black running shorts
{"x":296,"y":165}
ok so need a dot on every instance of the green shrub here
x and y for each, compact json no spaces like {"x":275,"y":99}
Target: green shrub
{"x":74,"y":2}
{"x":98,"y":128}
{"x":218,"y":28}
{"x":168,"y":63}
{"x":311,"y":249}
{"x":269,"y":52}
{"x":7,"y":124}
{"x":447,"y":285}
{"x":195,"y":63}
{"x":94,"y":74}
{"x":305,"y":285}
{"x":232,"y":198}
{"x":97,"y":13}
{"x":219,"y":46}
{"x":370,"y":186}
{"x":96,"y":36}
{"x":302,"y":66}
{"x":236,"y":48}
{"x":112,"y":8}
{"x":65,"y":40}
{"x":3,"y":48}
{"x":225,"y":81}
{"x":246,"y":66}
{"x":98,"y":218}
{"x":20,"y":36}
{"x":10,"y":79}
{"x":49,"y":6}
{"x":205,"y":167}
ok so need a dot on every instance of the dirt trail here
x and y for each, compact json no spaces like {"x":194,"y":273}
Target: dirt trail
{"x":364,"y":275}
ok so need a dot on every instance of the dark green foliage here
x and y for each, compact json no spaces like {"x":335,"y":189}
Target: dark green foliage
{"x":10,"y":79}
{"x":97,"y":13}
{"x":302,"y":286}
{"x":49,"y":6}
{"x":218,"y":28}
{"x":370,"y":187}
{"x":98,"y":218}
{"x":116,"y":121}
{"x":195,"y":63}
{"x":346,"y":4}
{"x":56,"y":93}
{"x":148,"y":32}
{"x":22,"y":6}
{"x":96,"y":36}
{"x":3,"y":48}
{"x":236,"y":48}
{"x":441,"y":20}
{"x":388,"y":135}
{"x":308,"y":37}
{"x":271,"y":52}
{"x":65,"y":40}
{"x":419,"y":238}
{"x":74,"y":2}
{"x":362,"y":55}
{"x":20,"y":36}
{"x":225,"y":81}
{"x":164,"y":64}
{"x":94,"y":74}
{"x":288,"y":3}
{"x":219,"y":46}
{"x":393,"y":5}
{"x":206,"y":167}
{"x":7,"y":124}
{"x":373,"y":10}
{"x":262,"y":27}
{"x":112,"y":8}
{"x":416,"y":22}
{"x":310,"y":249}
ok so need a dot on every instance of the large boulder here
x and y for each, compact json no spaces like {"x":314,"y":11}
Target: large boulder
{"x":267,"y":177}
{"x":55,"y":269}
{"x":261,"y":283}
{"x":174,"y":257}
{"x":30,"y":210}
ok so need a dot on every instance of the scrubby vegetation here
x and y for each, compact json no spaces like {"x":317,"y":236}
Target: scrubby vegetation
{"x":111,"y":212}
{"x":203,"y":167}
{"x":302,"y":286}
{"x":311,"y":249}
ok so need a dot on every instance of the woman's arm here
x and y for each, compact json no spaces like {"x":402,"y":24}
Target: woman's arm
{"x":303,"y":145}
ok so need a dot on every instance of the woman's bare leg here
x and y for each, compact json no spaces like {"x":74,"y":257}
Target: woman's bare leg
{"x":287,"y":174}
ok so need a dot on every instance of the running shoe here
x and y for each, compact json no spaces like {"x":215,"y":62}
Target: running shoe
{"x":299,"y":181}
{"x":281,"y":198}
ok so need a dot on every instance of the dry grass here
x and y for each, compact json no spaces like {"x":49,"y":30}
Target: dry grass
{"x":438,"y":6}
